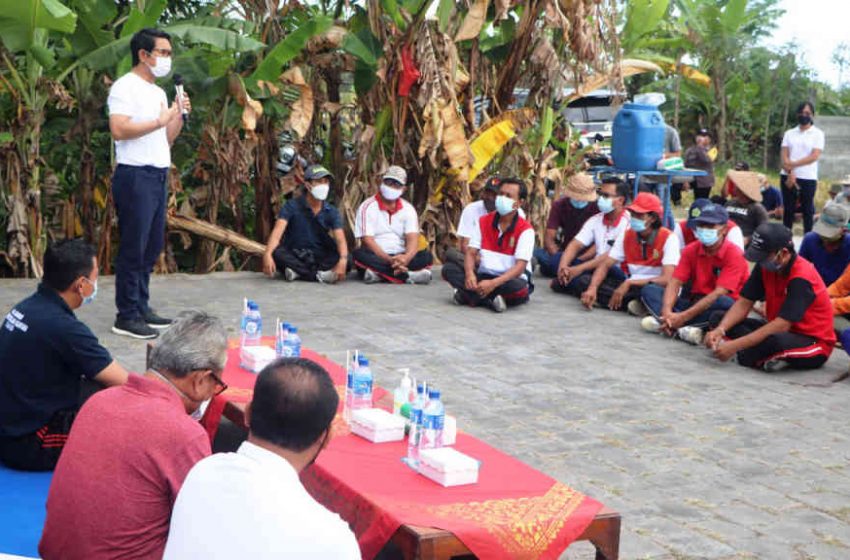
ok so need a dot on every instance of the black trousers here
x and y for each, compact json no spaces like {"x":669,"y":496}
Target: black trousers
{"x":140,"y":195}
{"x":606,"y":289}
{"x":800,"y":351}
{"x":702,"y":192}
{"x":515,"y":291}
{"x":805,"y":193}
{"x":364,"y":260}
{"x":305,"y":262}
{"x":38,"y":451}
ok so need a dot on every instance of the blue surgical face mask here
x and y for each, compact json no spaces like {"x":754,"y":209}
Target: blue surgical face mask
{"x":605,"y":204}
{"x":771,"y":265}
{"x":637,"y":224}
{"x":90,"y":298}
{"x":707,"y":236}
{"x":504,"y":205}
{"x":579,"y":204}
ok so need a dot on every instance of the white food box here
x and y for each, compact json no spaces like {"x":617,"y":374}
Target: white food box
{"x":255,"y":358}
{"x":448,"y":467}
{"x":377,"y":425}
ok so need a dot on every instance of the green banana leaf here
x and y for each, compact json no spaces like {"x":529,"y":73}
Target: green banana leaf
{"x":20,"y":18}
{"x":288,"y":48}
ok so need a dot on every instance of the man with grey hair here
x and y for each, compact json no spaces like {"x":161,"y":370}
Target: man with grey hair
{"x":131,"y":447}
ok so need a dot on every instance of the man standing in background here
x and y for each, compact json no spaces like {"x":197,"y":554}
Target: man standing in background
{"x":143,"y":127}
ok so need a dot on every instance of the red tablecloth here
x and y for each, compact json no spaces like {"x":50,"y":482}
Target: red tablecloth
{"x":513,"y":512}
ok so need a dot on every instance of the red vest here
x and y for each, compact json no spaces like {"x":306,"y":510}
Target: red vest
{"x":634,"y":249}
{"x":817,"y":321}
{"x":506,"y":243}
{"x":689,"y":234}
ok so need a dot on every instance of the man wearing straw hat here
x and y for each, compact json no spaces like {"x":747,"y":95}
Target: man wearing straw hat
{"x":745,"y":208}
{"x":568,"y":215}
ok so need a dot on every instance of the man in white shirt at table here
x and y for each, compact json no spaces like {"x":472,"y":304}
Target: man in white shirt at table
{"x":251,"y":504}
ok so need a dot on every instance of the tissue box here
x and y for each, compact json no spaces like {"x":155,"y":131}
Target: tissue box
{"x":377,"y":425}
{"x":255,"y":358}
{"x":448,"y":466}
{"x":449,"y":430}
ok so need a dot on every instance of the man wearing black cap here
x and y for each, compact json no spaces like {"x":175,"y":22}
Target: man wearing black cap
{"x":696,"y":157}
{"x":314,"y":247}
{"x":798,"y":331}
{"x":708,"y":278}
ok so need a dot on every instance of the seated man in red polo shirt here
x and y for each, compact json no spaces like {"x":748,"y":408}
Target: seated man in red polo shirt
{"x":505,"y":243}
{"x":131,"y":447}
{"x":708,"y":278}
{"x":387,"y":228}
{"x":647,"y":251}
{"x":798,"y":330}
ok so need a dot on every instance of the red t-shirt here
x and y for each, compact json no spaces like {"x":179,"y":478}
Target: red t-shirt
{"x":128,"y":452}
{"x":727,"y":268}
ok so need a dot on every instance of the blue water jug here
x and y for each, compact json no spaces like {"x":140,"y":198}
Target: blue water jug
{"x":637,"y":141}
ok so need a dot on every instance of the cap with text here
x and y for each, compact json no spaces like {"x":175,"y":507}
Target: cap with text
{"x":768,"y":239}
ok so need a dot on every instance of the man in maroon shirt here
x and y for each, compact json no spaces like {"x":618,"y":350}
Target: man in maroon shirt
{"x":130,"y":449}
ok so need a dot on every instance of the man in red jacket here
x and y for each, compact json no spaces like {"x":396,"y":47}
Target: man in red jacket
{"x":798,"y":330}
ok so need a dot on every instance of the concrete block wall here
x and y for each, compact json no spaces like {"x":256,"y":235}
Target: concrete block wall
{"x":835,"y":161}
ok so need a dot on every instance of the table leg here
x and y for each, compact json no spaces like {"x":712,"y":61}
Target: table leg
{"x":667,"y":221}
{"x":604,"y":534}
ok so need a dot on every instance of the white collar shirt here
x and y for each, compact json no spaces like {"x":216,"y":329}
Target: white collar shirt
{"x":251,"y":504}
{"x":800,"y":144}
{"x":142,"y":101}
{"x":599,"y":232}
{"x":471,"y":215}
{"x":387,"y":229}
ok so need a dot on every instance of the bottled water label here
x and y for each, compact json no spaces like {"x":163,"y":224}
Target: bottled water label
{"x":433,"y":422}
{"x":251,"y":327}
{"x":415,"y":416}
{"x":362,"y":386}
{"x":290,"y":351}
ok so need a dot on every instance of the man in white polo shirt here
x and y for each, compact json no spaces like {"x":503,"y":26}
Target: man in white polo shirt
{"x":801,"y":148}
{"x":505,"y":243}
{"x":143,"y":127}
{"x":388,"y":230}
{"x":600,"y":231}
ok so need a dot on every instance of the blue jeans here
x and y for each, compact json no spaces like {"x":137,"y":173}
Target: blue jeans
{"x":652,"y":296}
{"x":548,"y":263}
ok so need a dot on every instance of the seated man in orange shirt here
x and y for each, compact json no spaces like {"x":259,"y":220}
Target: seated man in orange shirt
{"x":839,"y":295}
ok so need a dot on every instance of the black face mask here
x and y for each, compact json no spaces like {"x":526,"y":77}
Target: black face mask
{"x":804,"y":120}
{"x":490,"y":205}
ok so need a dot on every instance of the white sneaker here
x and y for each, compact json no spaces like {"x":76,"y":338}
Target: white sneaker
{"x":691,"y":335}
{"x":419,"y":276}
{"x":772,"y":366}
{"x":650,"y":324}
{"x":371,"y":277}
{"x":457,"y":298}
{"x":326,"y":277}
{"x":636,"y":308}
{"x":498,"y":304}
{"x":290,"y":275}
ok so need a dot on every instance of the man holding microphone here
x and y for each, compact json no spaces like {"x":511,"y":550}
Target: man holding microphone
{"x":143,"y":126}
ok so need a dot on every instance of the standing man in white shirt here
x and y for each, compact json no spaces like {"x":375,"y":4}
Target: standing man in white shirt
{"x":387,"y":228}
{"x":251,"y":504}
{"x":801,"y":148}
{"x":143,"y":127}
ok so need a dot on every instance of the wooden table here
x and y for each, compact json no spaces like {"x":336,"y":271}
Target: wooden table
{"x":426,"y":543}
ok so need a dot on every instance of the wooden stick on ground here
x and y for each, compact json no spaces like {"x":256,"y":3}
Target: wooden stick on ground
{"x":215,"y":233}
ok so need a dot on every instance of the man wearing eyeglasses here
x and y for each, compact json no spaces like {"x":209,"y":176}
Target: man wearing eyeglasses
{"x":143,"y":127}
{"x":131,"y":447}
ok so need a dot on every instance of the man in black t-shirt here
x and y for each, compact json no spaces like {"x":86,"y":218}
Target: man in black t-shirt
{"x":46,"y":353}
{"x":744,"y":206}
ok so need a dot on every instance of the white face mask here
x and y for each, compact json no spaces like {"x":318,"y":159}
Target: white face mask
{"x":162,"y":68}
{"x":390,"y":193}
{"x":320,"y":191}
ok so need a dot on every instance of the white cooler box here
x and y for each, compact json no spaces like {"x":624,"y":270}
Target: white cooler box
{"x":377,"y":425}
{"x":448,"y":466}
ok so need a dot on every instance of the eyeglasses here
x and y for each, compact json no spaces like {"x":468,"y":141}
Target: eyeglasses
{"x":163,"y":52}
{"x":222,"y":386}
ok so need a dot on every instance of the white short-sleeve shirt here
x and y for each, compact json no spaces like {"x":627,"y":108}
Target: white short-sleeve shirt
{"x":388,"y":229}
{"x":142,"y":101}
{"x":470,"y":216}
{"x":672,"y":250}
{"x":800,"y":144}
{"x":251,"y":504}
{"x":596,"y":232}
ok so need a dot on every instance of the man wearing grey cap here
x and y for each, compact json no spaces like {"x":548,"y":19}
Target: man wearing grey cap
{"x":798,"y":330}
{"x":313,"y":245}
{"x":388,"y":230}
{"x":827,"y":246}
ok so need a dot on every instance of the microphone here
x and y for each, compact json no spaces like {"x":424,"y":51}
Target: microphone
{"x":178,"y":88}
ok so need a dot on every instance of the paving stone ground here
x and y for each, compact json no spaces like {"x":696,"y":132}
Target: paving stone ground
{"x":703,"y":459}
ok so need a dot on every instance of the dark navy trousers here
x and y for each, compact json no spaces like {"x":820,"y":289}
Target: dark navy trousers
{"x":140,"y":195}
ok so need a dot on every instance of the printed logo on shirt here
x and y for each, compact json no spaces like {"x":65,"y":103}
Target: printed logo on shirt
{"x":656,"y":254}
{"x":737,"y":210}
{"x":15,"y":320}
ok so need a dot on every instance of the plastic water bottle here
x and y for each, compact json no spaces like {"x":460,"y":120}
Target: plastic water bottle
{"x":361,"y":385}
{"x":252,"y":325}
{"x":280,"y":336}
{"x":401,"y":395}
{"x":415,"y":425}
{"x":433,"y":418}
{"x":292,"y":344}
{"x":348,"y":405}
